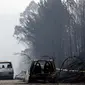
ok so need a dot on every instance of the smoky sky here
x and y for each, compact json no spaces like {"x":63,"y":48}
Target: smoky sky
{"x":9,"y":16}
{"x":46,"y":30}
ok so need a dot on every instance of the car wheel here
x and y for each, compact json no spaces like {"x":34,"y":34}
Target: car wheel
{"x":10,"y":78}
{"x":54,"y":80}
{"x":32,"y":80}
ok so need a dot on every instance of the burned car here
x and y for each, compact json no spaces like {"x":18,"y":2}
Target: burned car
{"x":43,"y":70}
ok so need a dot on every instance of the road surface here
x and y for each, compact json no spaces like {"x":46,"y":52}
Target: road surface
{"x":11,"y":82}
{"x":18,"y":82}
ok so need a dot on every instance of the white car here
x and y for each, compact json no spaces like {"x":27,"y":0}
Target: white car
{"x":6,"y":70}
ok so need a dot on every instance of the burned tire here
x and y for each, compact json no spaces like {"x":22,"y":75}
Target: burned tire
{"x":31,"y":80}
{"x":54,"y":80}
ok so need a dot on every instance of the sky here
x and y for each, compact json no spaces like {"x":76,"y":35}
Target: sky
{"x":9,"y":17}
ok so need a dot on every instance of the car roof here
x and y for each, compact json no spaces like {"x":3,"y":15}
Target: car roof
{"x":43,"y":60}
{"x":5,"y":62}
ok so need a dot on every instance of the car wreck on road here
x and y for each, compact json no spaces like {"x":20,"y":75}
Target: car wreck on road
{"x":43,"y":70}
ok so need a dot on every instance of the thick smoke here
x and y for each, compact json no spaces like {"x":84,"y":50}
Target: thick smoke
{"x":48,"y":28}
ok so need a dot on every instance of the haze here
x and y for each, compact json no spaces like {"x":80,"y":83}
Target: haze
{"x":9,"y":17}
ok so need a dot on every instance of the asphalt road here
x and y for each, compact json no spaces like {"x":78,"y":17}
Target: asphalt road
{"x":12,"y":82}
{"x":18,"y":82}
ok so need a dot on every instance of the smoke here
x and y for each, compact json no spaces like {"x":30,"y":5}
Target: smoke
{"x":50,"y":30}
{"x":47,"y":28}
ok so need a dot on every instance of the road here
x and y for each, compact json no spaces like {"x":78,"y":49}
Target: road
{"x":18,"y":82}
{"x":11,"y":82}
